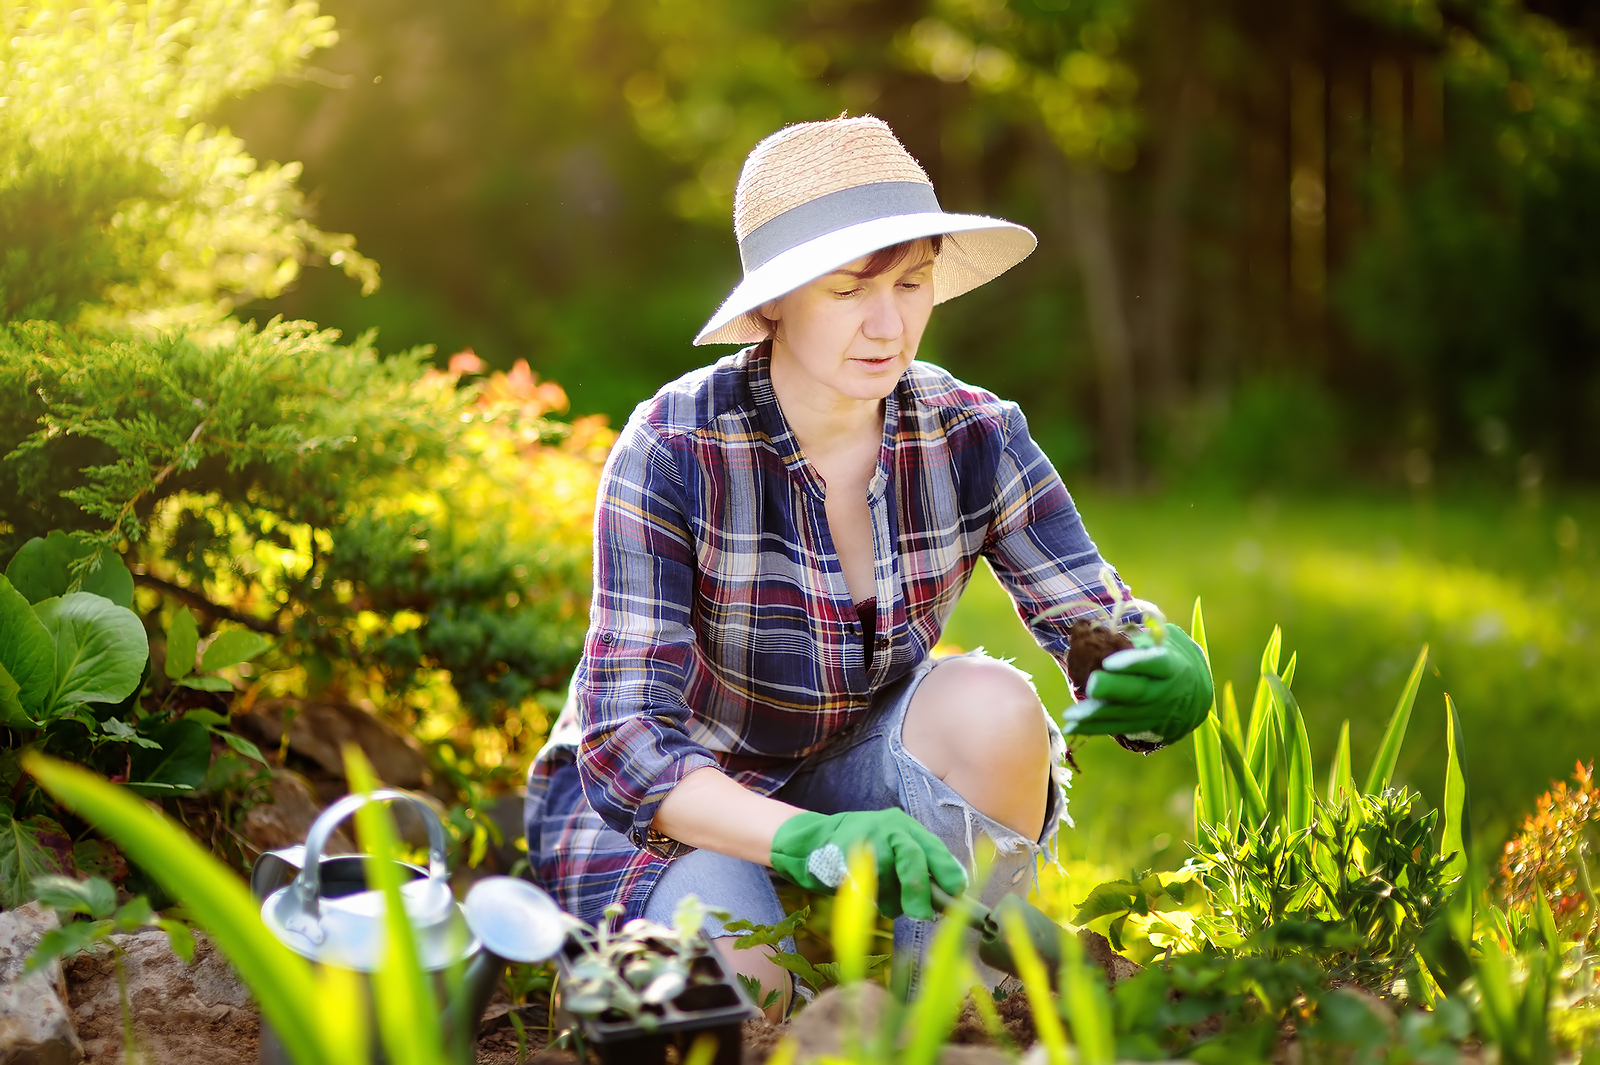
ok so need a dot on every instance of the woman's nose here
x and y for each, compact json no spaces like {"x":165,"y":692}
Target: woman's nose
{"x":883,"y":320}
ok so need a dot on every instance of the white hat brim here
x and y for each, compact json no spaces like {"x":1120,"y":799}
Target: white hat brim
{"x":983,"y":249}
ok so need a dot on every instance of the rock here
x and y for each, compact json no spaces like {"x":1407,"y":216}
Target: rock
{"x":198,"y":1014}
{"x":971,"y":1055}
{"x":35,"y":1025}
{"x":818,"y":1028}
{"x":286,"y":818}
{"x":319,"y":731}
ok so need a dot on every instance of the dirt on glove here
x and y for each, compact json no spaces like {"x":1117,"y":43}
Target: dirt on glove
{"x":1088,"y":644}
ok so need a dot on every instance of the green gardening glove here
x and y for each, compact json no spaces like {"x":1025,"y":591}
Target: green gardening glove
{"x":1154,"y":693}
{"x":810,"y":849}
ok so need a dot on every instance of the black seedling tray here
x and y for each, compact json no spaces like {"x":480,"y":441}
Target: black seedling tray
{"x":718,"y":1009}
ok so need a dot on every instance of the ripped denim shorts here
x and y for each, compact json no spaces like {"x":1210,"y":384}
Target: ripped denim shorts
{"x":869,"y":768}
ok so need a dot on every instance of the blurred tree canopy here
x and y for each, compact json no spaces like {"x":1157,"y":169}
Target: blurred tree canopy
{"x":115,"y":196}
{"x":414,"y":537}
{"x":1341,"y":234}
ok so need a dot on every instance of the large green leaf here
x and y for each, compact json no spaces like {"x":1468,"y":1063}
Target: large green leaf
{"x":42,"y":569}
{"x":24,"y":857}
{"x":27,"y":654}
{"x":1395,"y":734}
{"x":232,"y":647}
{"x":11,"y":711}
{"x":100,"y":649}
{"x":181,"y":760}
{"x":183,"y":638}
{"x":1457,"y":835}
{"x":281,"y":981}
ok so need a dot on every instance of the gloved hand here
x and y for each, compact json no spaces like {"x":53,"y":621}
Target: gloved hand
{"x":1152,"y":692}
{"x":811,"y":850}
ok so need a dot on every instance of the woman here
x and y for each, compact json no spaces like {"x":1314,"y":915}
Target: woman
{"x":779,"y":541}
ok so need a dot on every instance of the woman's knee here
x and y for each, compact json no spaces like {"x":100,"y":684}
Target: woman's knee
{"x":976,"y":710}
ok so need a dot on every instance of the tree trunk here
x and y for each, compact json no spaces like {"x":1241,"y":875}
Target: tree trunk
{"x":1081,"y":203}
{"x":1165,"y":269}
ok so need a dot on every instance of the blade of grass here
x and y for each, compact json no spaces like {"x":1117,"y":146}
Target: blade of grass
{"x":945,"y":977}
{"x":1395,"y":734}
{"x":983,"y":1002}
{"x":1041,"y":1002}
{"x":408,"y":1011}
{"x":341,"y":999}
{"x":216,"y":896}
{"x":1213,"y":804}
{"x":1251,"y":799}
{"x":1300,"y":799}
{"x":855,"y":911}
{"x":1230,"y":727}
{"x":1087,"y":1005}
{"x":1457,"y":836}
{"x":1258,"y":739}
{"x":1230,"y":714}
{"x":1339,"y":777}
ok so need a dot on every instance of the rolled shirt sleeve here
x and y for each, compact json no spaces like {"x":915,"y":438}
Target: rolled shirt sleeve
{"x":635,"y":745}
{"x":1038,"y":547}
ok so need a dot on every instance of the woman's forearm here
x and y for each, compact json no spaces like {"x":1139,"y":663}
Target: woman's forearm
{"x":711,"y":811}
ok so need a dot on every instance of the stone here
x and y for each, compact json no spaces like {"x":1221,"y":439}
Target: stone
{"x":818,"y":1029}
{"x":35,"y":1025}
{"x":319,"y":730}
{"x":199,"y":1014}
{"x":285,"y":818}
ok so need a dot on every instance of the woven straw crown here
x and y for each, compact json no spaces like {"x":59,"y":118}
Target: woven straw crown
{"x":802,"y":162}
{"x":818,"y":195}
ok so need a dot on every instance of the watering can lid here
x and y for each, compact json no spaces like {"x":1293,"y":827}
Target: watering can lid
{"x":348,"y":930}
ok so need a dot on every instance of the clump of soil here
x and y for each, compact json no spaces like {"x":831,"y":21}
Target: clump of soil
{"x":1088,"y":644}
{"x":1014,"y":1014}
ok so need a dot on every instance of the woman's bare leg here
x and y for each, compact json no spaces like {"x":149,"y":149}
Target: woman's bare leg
{"x":978,"y":725}
{"x":756,"y":962}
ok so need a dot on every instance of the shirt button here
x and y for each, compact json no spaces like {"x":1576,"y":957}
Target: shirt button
{"x":607,"y":638}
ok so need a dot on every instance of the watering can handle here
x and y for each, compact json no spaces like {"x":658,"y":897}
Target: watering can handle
{"x":299,"y":909}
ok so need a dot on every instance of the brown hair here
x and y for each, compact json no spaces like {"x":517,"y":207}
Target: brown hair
{"x":879,"y":262}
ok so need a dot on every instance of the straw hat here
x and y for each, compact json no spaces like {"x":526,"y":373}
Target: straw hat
{"x":815,"y":196}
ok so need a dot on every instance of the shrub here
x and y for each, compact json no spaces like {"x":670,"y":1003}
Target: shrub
{"x":402,"y":530}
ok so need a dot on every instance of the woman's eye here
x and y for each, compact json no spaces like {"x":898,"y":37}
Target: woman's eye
{"x":846,"y":293}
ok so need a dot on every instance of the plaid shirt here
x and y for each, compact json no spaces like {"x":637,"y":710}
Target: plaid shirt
{"x":722,"y":632}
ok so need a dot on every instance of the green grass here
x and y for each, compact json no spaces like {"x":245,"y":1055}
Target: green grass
{"x":1506,"y":597}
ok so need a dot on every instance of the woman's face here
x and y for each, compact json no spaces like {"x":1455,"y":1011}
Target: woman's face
{"x":849,"y":336}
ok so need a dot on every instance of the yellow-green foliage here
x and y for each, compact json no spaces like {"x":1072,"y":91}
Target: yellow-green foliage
{"x":416,"y":537}
{"x":115,"y":197}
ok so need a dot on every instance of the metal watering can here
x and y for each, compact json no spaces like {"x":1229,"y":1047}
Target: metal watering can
{"x":321,"y":908}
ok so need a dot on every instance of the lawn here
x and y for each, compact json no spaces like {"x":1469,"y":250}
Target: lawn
{"x":1502,"y":589}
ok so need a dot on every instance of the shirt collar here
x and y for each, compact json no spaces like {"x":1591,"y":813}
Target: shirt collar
{"x":770,"y":417}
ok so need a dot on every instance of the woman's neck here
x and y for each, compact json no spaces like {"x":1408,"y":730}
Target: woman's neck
{"x":823,"y":420}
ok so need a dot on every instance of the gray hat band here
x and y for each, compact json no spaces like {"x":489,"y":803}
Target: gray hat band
{"x":832,"y":212}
